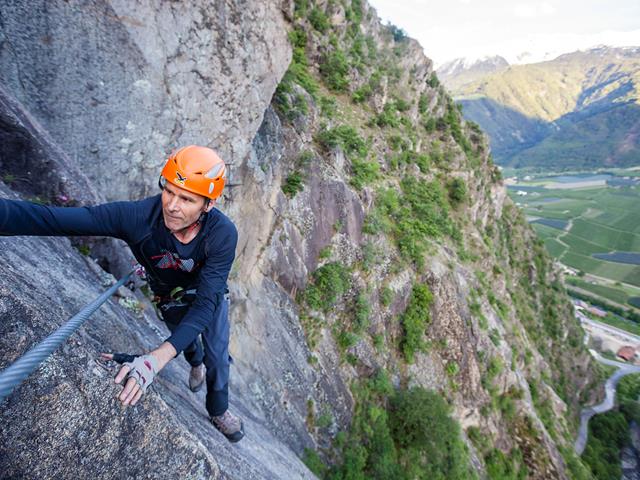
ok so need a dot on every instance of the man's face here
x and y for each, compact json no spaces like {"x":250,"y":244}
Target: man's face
{"x":181,"y":208}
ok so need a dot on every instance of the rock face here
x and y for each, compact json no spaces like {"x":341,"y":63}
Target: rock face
{"x":119,"y":84}
{"x":135,"y":79}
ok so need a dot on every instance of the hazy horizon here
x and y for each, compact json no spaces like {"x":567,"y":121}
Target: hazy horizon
{"x":541,"y":29}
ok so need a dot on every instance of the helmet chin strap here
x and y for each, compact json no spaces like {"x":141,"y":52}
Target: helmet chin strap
{"x":193,"y":226}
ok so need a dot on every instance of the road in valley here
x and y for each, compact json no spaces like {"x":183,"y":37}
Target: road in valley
{"x":610,"y":385}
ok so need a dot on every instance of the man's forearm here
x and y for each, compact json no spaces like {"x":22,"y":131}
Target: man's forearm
{"x":164,"y":354}
{"x":26,"y":218}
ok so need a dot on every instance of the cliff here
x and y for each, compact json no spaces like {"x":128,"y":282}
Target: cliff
{"x":379,"y":255}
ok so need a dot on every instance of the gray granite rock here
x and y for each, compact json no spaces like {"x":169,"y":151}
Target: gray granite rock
{"x":119,"y":84}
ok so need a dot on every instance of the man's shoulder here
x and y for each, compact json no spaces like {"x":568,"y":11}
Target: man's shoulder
{"x":149,"y":202}
{"x":145,"y":207}
{"x":218,"y":224}
{"x":144,"y":204}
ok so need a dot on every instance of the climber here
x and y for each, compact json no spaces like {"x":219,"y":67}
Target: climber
{"x":186,"y":247}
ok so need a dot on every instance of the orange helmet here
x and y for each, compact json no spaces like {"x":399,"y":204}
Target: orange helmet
{"x":197,"y":169}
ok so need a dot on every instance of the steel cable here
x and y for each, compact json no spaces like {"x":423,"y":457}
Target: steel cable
{"x":17,"y":372}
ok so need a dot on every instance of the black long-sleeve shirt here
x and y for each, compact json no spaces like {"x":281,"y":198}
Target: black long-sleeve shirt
{"x":203,"y":263}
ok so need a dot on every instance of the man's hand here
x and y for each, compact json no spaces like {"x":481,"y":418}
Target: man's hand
{"x":138,"y":374}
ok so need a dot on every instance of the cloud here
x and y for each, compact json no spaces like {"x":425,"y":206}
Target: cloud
{"x":533,"y":10}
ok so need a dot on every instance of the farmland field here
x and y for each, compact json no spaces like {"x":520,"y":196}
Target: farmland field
{"x":620,"y":257}
{"x":595,"y":231}
{"x":614,"y":294}
{"x":553,"y":223}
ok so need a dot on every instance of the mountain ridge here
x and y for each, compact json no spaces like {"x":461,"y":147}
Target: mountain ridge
{"x":528,"y":110}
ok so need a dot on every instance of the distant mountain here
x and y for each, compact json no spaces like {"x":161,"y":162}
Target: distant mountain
{"x":580,"y":110}
{"x":462,"y":71}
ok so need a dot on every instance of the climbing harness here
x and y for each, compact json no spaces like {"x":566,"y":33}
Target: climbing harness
{"x":178,"y":297}
{"x":16,"y":373}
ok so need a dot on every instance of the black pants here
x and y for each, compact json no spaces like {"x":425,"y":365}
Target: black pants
{"x":213,"y":350}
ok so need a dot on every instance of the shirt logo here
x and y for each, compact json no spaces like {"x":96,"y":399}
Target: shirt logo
{"x":180,"y":179}
{"x":169,"y":260}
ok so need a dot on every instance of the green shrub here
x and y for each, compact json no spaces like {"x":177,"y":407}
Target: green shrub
{"x":372,"y":50}
{"x":84,"y":250}
{"x":362,"y":94}
{"x":328,"y":107}
{"x":325,"y":420}
{"x":380,"y":383}
{"x":415,"y":320}
{"x":346,"y":339}
{"x":313,"y":461}
{"x":423,"y":215}
{"x":423,"y":162}
{"x":328,"y":283}
{"x":452,"y":119}
{"x":396,"y":142}
{"x":364,"y":173}
{"x":298,"y":40}
{"x":628,"y":389}
{"x":495,"y":368}
{"x":433,"y":81}
{"x":334,"y":70}
{"x":457,"y":191}
{"x":478,"y":439}
{"x":409,"y":157}
{"x":577,"y":469}
{"x":452,"y":369}
{"x":319,"y":20}
{"x":370,"y":256}
{"x":301,"y":7}
{"x":375,"y":222}
{"x":386,"y":296}
{"x":345,"y":137}
{"x":399,"y":35}
{"x":404,"y":434}
{"x":423,"y":104}
{"x":325,"y":253}
{"x":289,"y":104}
{"x":428,"y":439}
{"x":420,"y":213}
{"x":281,"y":97}
{"x":429,"y":124}
{"x":357,"y":50}
{"x":507,"y":407}
{"x":303,"y":78}
{"x":353,"y":12}
{"x":402,"y":105}
{"x":361,"y":312}
{"x":293,"y":184}
{"x":505,"y":467}
{"x":388,"y":117}
{"x":608,"y":433}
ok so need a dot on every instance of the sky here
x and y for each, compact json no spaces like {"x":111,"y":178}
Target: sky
{"x":449,"y":29}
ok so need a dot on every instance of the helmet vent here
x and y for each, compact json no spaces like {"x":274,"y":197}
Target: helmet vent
{"x":215,"y":171}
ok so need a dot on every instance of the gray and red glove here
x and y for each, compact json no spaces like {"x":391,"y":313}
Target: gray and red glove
{"x":142,"y":369}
